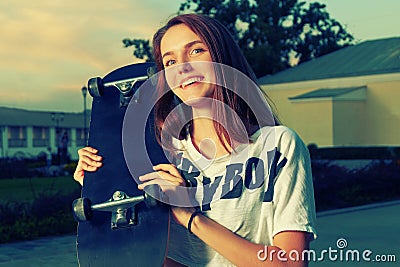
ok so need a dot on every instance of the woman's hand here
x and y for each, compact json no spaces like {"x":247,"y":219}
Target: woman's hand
{"x":88,"y":161}
{"x":165,"y":175}
{"x":168,"y":177}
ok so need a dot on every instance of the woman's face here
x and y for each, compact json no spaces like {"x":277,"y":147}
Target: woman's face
{"x":186,"y":60}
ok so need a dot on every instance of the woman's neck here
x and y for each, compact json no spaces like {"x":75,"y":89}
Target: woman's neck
{"x":205,"y":138}
{"x":203,"y":133}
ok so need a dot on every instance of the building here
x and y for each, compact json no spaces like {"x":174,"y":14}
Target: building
{"x":350,"y":97}
{"x":28,"y":133}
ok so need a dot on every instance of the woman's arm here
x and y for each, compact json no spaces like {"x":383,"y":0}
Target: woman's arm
{"x":234,"y":248}
{"x":240,"y":251}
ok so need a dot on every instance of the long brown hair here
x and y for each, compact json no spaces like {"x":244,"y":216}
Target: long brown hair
{"x":223,"y":50}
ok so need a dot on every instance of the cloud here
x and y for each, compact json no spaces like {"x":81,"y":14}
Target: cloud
{"x":50,"y":47}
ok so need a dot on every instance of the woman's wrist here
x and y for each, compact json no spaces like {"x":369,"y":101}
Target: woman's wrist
{"x":191,"y":219}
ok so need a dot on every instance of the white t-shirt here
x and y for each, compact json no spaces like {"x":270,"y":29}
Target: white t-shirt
{"x":263,"y":188}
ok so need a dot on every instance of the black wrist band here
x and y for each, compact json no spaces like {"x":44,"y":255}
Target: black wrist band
{"x":191,"y":220}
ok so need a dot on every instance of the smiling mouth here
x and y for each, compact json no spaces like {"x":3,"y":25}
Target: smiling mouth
{"x":191,"y":81}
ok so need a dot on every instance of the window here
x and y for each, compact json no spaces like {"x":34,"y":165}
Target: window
{"x":41,"y":137}
{"x":16,"y":136}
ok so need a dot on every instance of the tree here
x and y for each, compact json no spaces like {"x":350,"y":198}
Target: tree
{"x":274,"y":34}
{"x":316,"y":34}
{"x":142,"y":48}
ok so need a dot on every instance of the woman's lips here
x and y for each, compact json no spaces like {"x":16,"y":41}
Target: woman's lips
{"x":191,"y":81}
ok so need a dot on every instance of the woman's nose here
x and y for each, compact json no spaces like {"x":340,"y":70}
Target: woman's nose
{"x":184,"y":68}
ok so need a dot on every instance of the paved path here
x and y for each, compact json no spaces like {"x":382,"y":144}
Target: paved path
{"x":373,"y":227}
{"x":46,"y":252}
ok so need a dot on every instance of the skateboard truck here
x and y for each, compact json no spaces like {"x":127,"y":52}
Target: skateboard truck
{"x":127,"y":87}
{"x":121,"y":206}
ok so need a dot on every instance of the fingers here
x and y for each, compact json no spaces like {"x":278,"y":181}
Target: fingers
{"x":160,"y":177}
{"x":88,"y":161}
{"x":88,"y":164}
{"x":161,"y":182}
{"x":165,"y":174}
{"x":90,"y":153}
{"x":90,"y":167}
{"x":170,"y":168}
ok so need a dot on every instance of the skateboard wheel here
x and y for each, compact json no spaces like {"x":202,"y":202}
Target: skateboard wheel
{"x":82,"y":209}
{"x":152,"y":194}
{"x":95,"y":87}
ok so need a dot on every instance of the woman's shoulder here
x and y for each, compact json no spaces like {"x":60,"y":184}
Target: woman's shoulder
{"x":279,"y":131}
{"x":279,"y":136}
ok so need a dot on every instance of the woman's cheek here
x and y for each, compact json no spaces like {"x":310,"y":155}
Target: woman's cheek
{"x":170,"y":76}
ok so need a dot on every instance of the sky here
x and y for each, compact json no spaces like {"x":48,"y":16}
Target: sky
{"x":49,"y":49}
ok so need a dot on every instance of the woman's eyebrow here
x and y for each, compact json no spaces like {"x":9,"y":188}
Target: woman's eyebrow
{"x":188,"y":45}
{"x":193,"y":43}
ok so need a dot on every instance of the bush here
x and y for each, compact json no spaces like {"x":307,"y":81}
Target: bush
{"x":70,"y":167}
{"x":375,"y":152}
{"x":32,"y":167}
{"x":14,"y":168}
{"x":47,"y":215}
{"x":336,"y":187}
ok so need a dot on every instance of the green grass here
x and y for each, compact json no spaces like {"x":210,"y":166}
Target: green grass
{"x":35,"y":207}
{"x":27,"y":189}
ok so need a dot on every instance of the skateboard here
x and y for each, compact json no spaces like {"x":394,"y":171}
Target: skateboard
{"x":118,"y":224}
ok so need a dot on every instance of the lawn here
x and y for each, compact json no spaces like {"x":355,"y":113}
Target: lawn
{"x":27,"y":189}
{"x":35,"y":207}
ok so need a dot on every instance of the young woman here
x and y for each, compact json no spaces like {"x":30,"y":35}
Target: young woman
{"x":260,"y":201}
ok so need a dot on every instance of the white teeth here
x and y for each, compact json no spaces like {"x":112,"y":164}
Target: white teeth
{"x":191,"y":80}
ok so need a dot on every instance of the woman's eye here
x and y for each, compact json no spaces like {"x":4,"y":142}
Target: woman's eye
{"x":169,"y":63}
{"x":197,"y":51}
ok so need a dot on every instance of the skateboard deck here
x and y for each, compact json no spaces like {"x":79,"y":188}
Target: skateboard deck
{"x":118,"y":224}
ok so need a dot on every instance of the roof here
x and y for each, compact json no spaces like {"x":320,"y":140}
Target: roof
{"x":380,"y":56}
{"x":23,"y":117}
{"x":327,"y":93}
